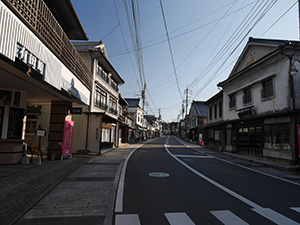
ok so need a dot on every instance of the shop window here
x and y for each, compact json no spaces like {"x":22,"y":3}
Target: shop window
{"x":210,"y":133}
{"x":217,"y":135}
{"x":31,"y":124}
{"x":267,"y":88}
{"x":232,"y":101}
{"x":277,"y":136}
{"x":5,"y":97}
{"x":15,"y":123}
{"x":1,"y":120}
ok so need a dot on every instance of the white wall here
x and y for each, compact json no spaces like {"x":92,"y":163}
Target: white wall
{"x":13,"y":31}
{"x":281,"y":89}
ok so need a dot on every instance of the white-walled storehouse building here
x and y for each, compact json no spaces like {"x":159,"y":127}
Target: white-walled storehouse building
{"x":99,"y":122}
{"x":261,"y":101}
{"x":42,"y":74}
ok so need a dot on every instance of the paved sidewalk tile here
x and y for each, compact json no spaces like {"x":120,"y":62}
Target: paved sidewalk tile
{"x":85,"y":196}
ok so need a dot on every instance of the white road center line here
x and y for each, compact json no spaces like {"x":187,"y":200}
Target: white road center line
{"x":179,"y":218}
{"x":228,"y":218}
{"x":129,"y":219}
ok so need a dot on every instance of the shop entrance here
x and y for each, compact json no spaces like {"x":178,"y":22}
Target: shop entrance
{"x":250,"y":139}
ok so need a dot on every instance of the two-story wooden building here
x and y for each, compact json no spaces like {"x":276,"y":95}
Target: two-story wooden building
{"x":261,"y":100}
{"x":98,"y":124}
{"x":42,"y":74}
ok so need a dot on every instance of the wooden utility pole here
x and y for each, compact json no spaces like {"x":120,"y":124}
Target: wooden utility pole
{"x":187,"y":99}
{"x":299,"y":16}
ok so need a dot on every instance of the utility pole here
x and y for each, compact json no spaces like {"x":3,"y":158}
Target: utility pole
{"x":159,"y":115}
{"x":182,"y":111}
{"x":187,"y":99}
{"x":299,"y":16}
{"x":144,"y":95}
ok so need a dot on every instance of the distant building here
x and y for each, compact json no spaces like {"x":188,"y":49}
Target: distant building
{"x":196,"y":119}
{"x":135,"y":109}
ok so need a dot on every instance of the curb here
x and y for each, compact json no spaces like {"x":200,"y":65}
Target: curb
{"x":109,"y":215}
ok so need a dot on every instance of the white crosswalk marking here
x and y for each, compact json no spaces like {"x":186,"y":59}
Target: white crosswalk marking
{"x":228,"y":218}
{"x":275,"y":216}
{"x":297,"y":209}
{"x":129,"y":219}
{"x":179,"y":218}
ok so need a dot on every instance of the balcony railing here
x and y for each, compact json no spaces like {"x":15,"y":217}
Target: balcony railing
{"x":40,"y":20}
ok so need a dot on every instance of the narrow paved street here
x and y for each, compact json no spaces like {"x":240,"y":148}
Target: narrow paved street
{"x":168,"y":181}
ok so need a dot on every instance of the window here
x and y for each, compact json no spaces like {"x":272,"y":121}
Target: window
{"x":267,"y":88}
{"x":220,"y":109}
{"x":15,"y":123}
{"x":113,"y":106}
{"x":100,"y":98}
{"x":1,"y":119}
{"x":210,"y":113}
{"x":31,"y":124}
{"x":247,"y":96}
{"x":215,"y":111}
{"x":277,"y":136}
{"x":232,"y":103}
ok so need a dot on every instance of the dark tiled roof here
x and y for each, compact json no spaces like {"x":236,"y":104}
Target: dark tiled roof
{"x":200,"y":108}
{"x":133,"y":102}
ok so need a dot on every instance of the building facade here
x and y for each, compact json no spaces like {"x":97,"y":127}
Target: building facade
{"x":214,"y":129}
{"x":42,"y":74}
{"x":100,"y":120}
{"x":196,"y":119}
{"x":135,"y":109}
{"x":261,"y":101}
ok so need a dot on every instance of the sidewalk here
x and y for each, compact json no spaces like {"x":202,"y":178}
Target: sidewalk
{"x":80,"y":190}
{"x":252,"y":158}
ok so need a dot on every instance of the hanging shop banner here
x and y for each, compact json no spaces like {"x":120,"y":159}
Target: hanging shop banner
{"x":298,"y":130}
{"x":67,"y":138}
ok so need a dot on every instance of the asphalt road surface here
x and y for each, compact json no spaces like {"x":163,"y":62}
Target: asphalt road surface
{"x":168,"y":181}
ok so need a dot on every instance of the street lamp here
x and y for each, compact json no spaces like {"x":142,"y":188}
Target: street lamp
{"x":293,"y":69}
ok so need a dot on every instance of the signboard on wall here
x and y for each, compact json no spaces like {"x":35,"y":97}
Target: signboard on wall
{"x":67,"y":138}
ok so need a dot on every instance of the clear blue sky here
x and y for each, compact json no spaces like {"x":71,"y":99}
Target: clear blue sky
{"x":206,"y":39}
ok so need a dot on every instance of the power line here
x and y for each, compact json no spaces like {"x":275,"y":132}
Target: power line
{"x":255,"y":12}
{"x":110,"y":31}
{"x":179,"y":35}
{"x":125,"y":42}
{"x":215,"y":75}
{"x":170,"y":48}
{"x":280,"y":17}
